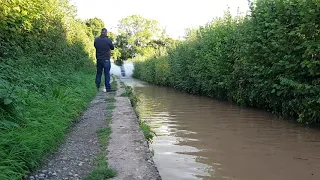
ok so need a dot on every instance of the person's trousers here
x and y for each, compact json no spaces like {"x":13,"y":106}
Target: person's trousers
{"x":103,"y":65}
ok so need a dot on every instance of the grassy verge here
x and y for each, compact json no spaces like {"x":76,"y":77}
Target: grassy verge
{"x":46,"y":81}
{"x":101,"y":169}
{"x":44,"y":118}
{"x":148,"y":133}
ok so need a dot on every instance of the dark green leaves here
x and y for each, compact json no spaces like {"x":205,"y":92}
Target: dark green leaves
{"x":7,"y":101}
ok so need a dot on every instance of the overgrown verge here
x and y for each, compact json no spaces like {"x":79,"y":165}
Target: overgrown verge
{"x":146,"y":129}
{"x":46,"y":80}
{"x":269,"y":59}
{"x":101,"y":169}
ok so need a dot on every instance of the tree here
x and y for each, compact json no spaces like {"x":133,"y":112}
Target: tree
{"x":136,"y":34}
{"x":95,"y":25}
{"x":116,"y":54}
{"x":126,"y":50}
{"x":112,"y":36}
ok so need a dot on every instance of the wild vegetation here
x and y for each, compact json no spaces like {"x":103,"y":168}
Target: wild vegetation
{"x":269,"y":59}
{"x":46,"y":79}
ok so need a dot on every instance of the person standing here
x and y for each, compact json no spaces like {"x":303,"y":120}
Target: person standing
{"x":103,"y":47}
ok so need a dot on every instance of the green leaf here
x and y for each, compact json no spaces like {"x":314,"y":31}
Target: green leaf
{"x":279,"y":93}
{"x":8,"y":124}
{"x":7,"y":101}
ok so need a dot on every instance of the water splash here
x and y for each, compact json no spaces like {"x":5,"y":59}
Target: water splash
{"x":125,"y":70}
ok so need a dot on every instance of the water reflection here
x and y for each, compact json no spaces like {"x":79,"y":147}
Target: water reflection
{"x":200,"y":138}
{"x":167,"y":143}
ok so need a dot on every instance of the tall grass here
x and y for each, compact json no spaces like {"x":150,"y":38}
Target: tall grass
{"x":46,"y":120}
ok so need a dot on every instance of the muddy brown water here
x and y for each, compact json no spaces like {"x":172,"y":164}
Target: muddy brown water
{"x":200,"y":138}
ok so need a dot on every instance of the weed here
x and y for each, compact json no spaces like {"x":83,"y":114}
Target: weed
{"x":110,"y":100}
{"x":111,"y":107}
{"x":148,"y":133}
{"x":101,"y":169}
{"x":124,"y":94}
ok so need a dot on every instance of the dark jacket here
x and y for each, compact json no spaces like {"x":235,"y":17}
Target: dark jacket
{"x":103,"y":46}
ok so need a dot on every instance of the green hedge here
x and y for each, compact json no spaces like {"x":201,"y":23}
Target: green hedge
{"x":270,"y":59}
{"x":46,"y":79}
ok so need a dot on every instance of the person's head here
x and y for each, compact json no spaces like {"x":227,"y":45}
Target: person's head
{"x":104,"y":31}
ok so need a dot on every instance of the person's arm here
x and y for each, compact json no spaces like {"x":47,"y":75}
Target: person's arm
{"x":111,"y":45}
{"x":95,"y":42}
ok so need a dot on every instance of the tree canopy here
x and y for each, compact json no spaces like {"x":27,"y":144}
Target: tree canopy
{"x":140,"y":37}
{"x":137,"y":37}
{"x":95,"y":25}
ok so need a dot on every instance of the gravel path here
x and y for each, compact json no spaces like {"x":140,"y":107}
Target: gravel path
{"x":128,"y":149}
{"x":74,"y":158}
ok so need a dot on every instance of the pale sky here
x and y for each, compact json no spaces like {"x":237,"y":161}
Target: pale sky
{"x":174,"y":15}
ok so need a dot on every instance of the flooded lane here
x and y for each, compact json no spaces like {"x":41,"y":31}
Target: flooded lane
{"x":200,"y":138}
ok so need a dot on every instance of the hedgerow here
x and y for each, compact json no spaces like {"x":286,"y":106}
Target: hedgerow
{"x":269,"y":59}
{"x":46,"y":79}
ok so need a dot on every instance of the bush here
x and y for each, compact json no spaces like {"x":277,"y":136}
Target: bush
{"x":269,"y":59}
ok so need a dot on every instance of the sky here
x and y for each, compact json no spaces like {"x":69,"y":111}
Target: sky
{"x":173,"y":15}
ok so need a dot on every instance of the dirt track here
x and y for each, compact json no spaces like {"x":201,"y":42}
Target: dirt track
{"x":128,"y":151}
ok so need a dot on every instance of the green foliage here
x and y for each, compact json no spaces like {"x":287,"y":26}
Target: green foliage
{"x":269,"y":59}
{"x":140,"y":31}
{"x":116,"y":54}
{"x":154,"y":70}
{"x":139,"y":38}
{"x":147,"y":132}
{"x":110,"y":100}
{"x":45,"y":121}
{"x":95,"y":25}
{"x":111,"y":107}
{"x":46,"y":63}
{"x":101,"y":171}
{"x":101,"y":168}
{"x":132,"y":97}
